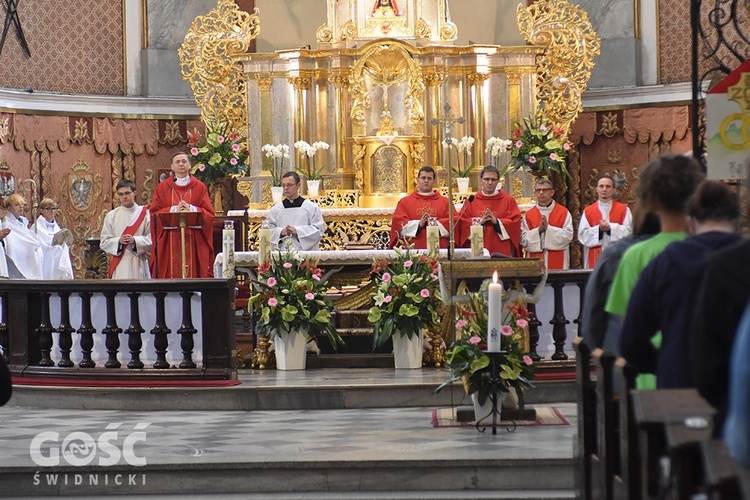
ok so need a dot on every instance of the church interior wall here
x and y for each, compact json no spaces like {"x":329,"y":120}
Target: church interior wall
{"x":76,"y":47}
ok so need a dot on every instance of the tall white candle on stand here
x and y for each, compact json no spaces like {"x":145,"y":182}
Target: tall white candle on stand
{"x":494,"y":315}
{"x":433,"y":236}
{"x":264,"y":242}
{"x":228,"y":248}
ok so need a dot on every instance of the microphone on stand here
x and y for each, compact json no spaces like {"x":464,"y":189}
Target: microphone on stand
{"x":461,"y":213}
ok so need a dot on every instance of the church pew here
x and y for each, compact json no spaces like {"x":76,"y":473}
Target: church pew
{"x":584,"y":439}
{"x":604,"y":455}
{"x":720,"y":471}
{"x":626,"y":481}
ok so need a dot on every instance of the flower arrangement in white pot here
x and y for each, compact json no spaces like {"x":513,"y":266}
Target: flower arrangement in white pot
{"x":311,"y":174}
{"x":464,"y":165}
{"x":277,"y":153}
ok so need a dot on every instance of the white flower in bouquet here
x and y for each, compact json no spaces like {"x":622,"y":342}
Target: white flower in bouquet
{"x":310,"y":172}
{"x":465,"y":144}
{"x":496,"y":146}
{"x":277,"y":153}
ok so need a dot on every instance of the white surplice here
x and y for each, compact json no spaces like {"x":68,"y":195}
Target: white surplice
{"x":554,"y":238}
{"x":589,"y":236}
{"x":23,"y":249}
{"x":56,"y":263}
{"x":307,"y":219}
{"x":134,"y":264}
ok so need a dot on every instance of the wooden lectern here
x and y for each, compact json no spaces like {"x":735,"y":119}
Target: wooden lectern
{"x":172,"y":221}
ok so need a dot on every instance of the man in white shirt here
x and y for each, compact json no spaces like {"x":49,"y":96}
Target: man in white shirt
{"x":547,"y":228}
{"x":295,"y":222}
{"x":23,"y":249}
{"x":126,"y":236}
{"x":603,"y":222}
{"x":56,"y":261}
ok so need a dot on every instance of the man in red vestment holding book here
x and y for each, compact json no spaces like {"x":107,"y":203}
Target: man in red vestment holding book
{"x":603,"y":222}
{"x":182,"y":193}
{"x":414,"y":211}
{"x":547,"y":229}
{"x":498,"y":213}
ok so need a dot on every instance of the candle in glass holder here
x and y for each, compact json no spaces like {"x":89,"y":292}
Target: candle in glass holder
{"x":476,"y":236}
{"x":494,"y":314}
{"x":433,"y":236}
{"x":227,"y":248}
{"x":264,"y":242}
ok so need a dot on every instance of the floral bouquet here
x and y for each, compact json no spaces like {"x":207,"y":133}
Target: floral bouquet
{"x":277,"y":153}
{"x":463,"y":150}
{"x":539,"y":146}
{"x":291,"y":296}
{"x":406,"y":296}
{"x":468,"y":361}
{"x":496,"y":147}
{"x":217,"y":155}
{"x":309,"y":150}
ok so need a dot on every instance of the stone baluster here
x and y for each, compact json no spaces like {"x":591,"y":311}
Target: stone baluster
{"x":559,"y":331}
{"x":134,"y":331}
{"x":87,"y":331}
{"x":65,"y":331}
{"x":160,"y":332}
{"x":581,"y":294}
{"x":111,"y":332}
{"x":187,"y":331}
{"x":44,"y":331}
{"x":534,"y":324}
{"x":4,"y":336}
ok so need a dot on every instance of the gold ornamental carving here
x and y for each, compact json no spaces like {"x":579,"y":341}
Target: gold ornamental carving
{"x":302,"y":82}
{"x":609,"y":125}
{"x":324,"y":34}
{"x":245,"y":188}
{"x":448,"y":31}
{"x":386,"y":64}
{"x":476,"y":79}
{"x":349,"y":31}
{"x":339,"y":80}
{"x":416,"y":151}
{"x":358,"y":155}
{"x":264,"y":84}
{"x":433,"y":77}
{"x":423,"y":29}
{"x":206,"y":62}
{"x":564,"y":69}
{"x":147,"y":187}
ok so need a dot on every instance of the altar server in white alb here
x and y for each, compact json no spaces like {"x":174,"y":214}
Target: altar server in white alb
{"x":23,"y":249}
{"x":56,"y":263}
{"x":3,"y":233}
{"x":126,"y":236}
{"x":603,"y":222}
{"x":547,"y":229}
{"x":295,"y":222}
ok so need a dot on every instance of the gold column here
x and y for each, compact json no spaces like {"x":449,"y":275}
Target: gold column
{"x":301,"y":84}
{"x":433,"y":78}
{"x":266,"y":120}
{"x":340,"y":80}
{"x":476,"y":80}
{"x":514,"y":94}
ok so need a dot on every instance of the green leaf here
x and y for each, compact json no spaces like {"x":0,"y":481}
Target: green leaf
{"x":408,"y":310}
{"x":374,"y":315}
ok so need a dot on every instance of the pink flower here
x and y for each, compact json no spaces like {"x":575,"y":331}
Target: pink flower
{"x":506,"y":331}
{"x":434,"y":276}
{"x":475,"y":339}
{"x":522,"y":323}
{"x":310,"y":296}
{"x":201,"y":167}
{"x":233,"y":161}
{"x":543,"y":128}
{"x":532,"y":159}
{"x":271,"y":281}
{"x":387,"y":299}
{"x":566,"y":146}
{"x":194,"y":151}
{"x":287,"y":265}
{"x":528,"y":360}
{"x":235,"y":147}
{"x":272,"y":302}
{"x":424,"y":293}
{"x":316,"y":277}
{"x":220,"y":139}
{"x":461,"y":323}
{"x":519,"y":144}
{"x":386,"y":277}
{"x":553,"y":157}
{"x":408,"y":264}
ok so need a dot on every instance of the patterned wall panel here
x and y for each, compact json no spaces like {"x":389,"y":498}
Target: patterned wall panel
{"x":76,"y":47}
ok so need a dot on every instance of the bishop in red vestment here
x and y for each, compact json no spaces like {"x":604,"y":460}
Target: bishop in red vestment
{"x":414,"y":211}
{"x":182,"y":193}
{"x":499,"y":215}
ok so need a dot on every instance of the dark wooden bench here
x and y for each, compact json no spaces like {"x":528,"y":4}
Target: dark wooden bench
{"x":585,"y":437}
{"x":720,"y":471}
{"x":626,"y":480}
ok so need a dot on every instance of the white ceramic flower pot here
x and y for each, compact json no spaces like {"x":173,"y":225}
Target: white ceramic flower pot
{"x":463,"y":184}
{"x":291,"y":350}
{"x":276,"y":193}
{"x":483,"y":411}
{"x":313,"y":187}
{"x":407,"y":352}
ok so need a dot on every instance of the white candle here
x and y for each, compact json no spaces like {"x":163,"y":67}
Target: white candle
{"x":264,"y":243}
{"x":477,"y":240}
{"x":494,"y":314}
{"x":228,"y":250}
{"x":433,"y":239}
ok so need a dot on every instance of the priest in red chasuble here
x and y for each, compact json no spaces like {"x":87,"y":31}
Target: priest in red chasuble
{"x":182,"y":193}
{"x":413,"y":213}
{"x":547,"y":229}
{"x":498,"y":213}
{"x":603,"y":222}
